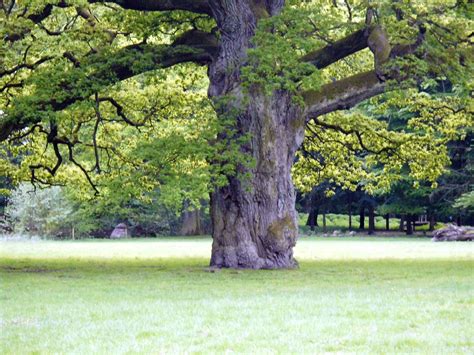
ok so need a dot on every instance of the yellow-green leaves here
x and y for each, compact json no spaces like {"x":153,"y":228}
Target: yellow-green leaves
{"x":374,"y":151}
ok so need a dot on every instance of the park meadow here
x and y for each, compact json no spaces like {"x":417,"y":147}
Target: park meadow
{"x":349,"y":294}
{"x":236,"y":177}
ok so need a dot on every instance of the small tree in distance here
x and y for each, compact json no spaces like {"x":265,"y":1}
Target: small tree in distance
{"x":44,"y":212}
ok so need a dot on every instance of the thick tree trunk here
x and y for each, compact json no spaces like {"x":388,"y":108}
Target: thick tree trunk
{"x":254,"y":219}
{"x":387,"y":222}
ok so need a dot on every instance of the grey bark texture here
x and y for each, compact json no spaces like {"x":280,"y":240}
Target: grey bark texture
{"x":254,"y":220}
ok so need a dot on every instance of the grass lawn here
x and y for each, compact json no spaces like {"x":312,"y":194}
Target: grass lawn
{"x":378,"y":295}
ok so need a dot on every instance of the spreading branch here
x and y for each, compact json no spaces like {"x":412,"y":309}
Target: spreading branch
{"x":342,"y":94}
{"x":55,"y":140}
{"x":348,"y":92}
{"x":196,"y":6}
{"x":338,"y":50}
{"x":25,"y":65}
{"x":36,"y":18}
{"x":194,"y":46}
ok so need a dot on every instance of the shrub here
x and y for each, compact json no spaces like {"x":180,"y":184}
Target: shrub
{"x":44,"y":212}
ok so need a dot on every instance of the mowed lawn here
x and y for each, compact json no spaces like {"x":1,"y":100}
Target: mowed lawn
{"x":377,"y":295}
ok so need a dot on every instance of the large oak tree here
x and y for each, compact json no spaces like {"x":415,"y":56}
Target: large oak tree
{"x":270,"y":77}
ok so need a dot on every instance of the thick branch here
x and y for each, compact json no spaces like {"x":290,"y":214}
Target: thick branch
{"x":333,"y":52}
{"x":342,"y":94}
{"x":197,"y":6}
{"x":38,"y":17}
{"x":348,"y":92}
{"x":371,"y":36}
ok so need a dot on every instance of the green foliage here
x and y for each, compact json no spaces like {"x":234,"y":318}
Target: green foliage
{"x":465,"y":201}
{"x":178,"y":150}
{"x":169,"y":152}
{"x":406,"y":200}
{"x":306,"y":26}
{"x":361,"y":148}
{"x":280,"y":42}
{"x":148,"y":216}
{"x":402,"y":133}
{"x":170,"y":107}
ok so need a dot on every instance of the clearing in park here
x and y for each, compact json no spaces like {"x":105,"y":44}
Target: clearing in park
{"x":378,"y":295}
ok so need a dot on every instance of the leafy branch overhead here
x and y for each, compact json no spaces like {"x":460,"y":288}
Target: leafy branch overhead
{"x":90,"y":86}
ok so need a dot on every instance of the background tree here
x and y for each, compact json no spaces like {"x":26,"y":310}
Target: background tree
{"x":72,"y":69}
{"x":466,"y":201}
{"x":44,"y":212}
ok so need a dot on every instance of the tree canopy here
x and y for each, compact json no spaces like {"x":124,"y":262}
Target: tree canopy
{"x":184,"y":96}
{"x":77,"y":76}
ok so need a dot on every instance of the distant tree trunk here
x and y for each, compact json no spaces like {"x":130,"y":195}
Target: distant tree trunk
{"x":312,"y":220}
{"x":191,"y":223}
{"x":362,"y":218}
{"x":413,"y":221}
{"x":458,"y":220}
{"x":387,"y":222}
{"x":401,"y":227}
{"x":409,"y":219}
{"x":350,"y":215}
{"x":432,"y":222}
{"x":371,"y":220}
{"x":324,"y":221}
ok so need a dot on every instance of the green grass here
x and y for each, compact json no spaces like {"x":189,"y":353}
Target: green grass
{"x":377,"y":295}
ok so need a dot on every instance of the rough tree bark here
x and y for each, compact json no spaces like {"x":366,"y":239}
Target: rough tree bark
{"x":254,"y":220}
